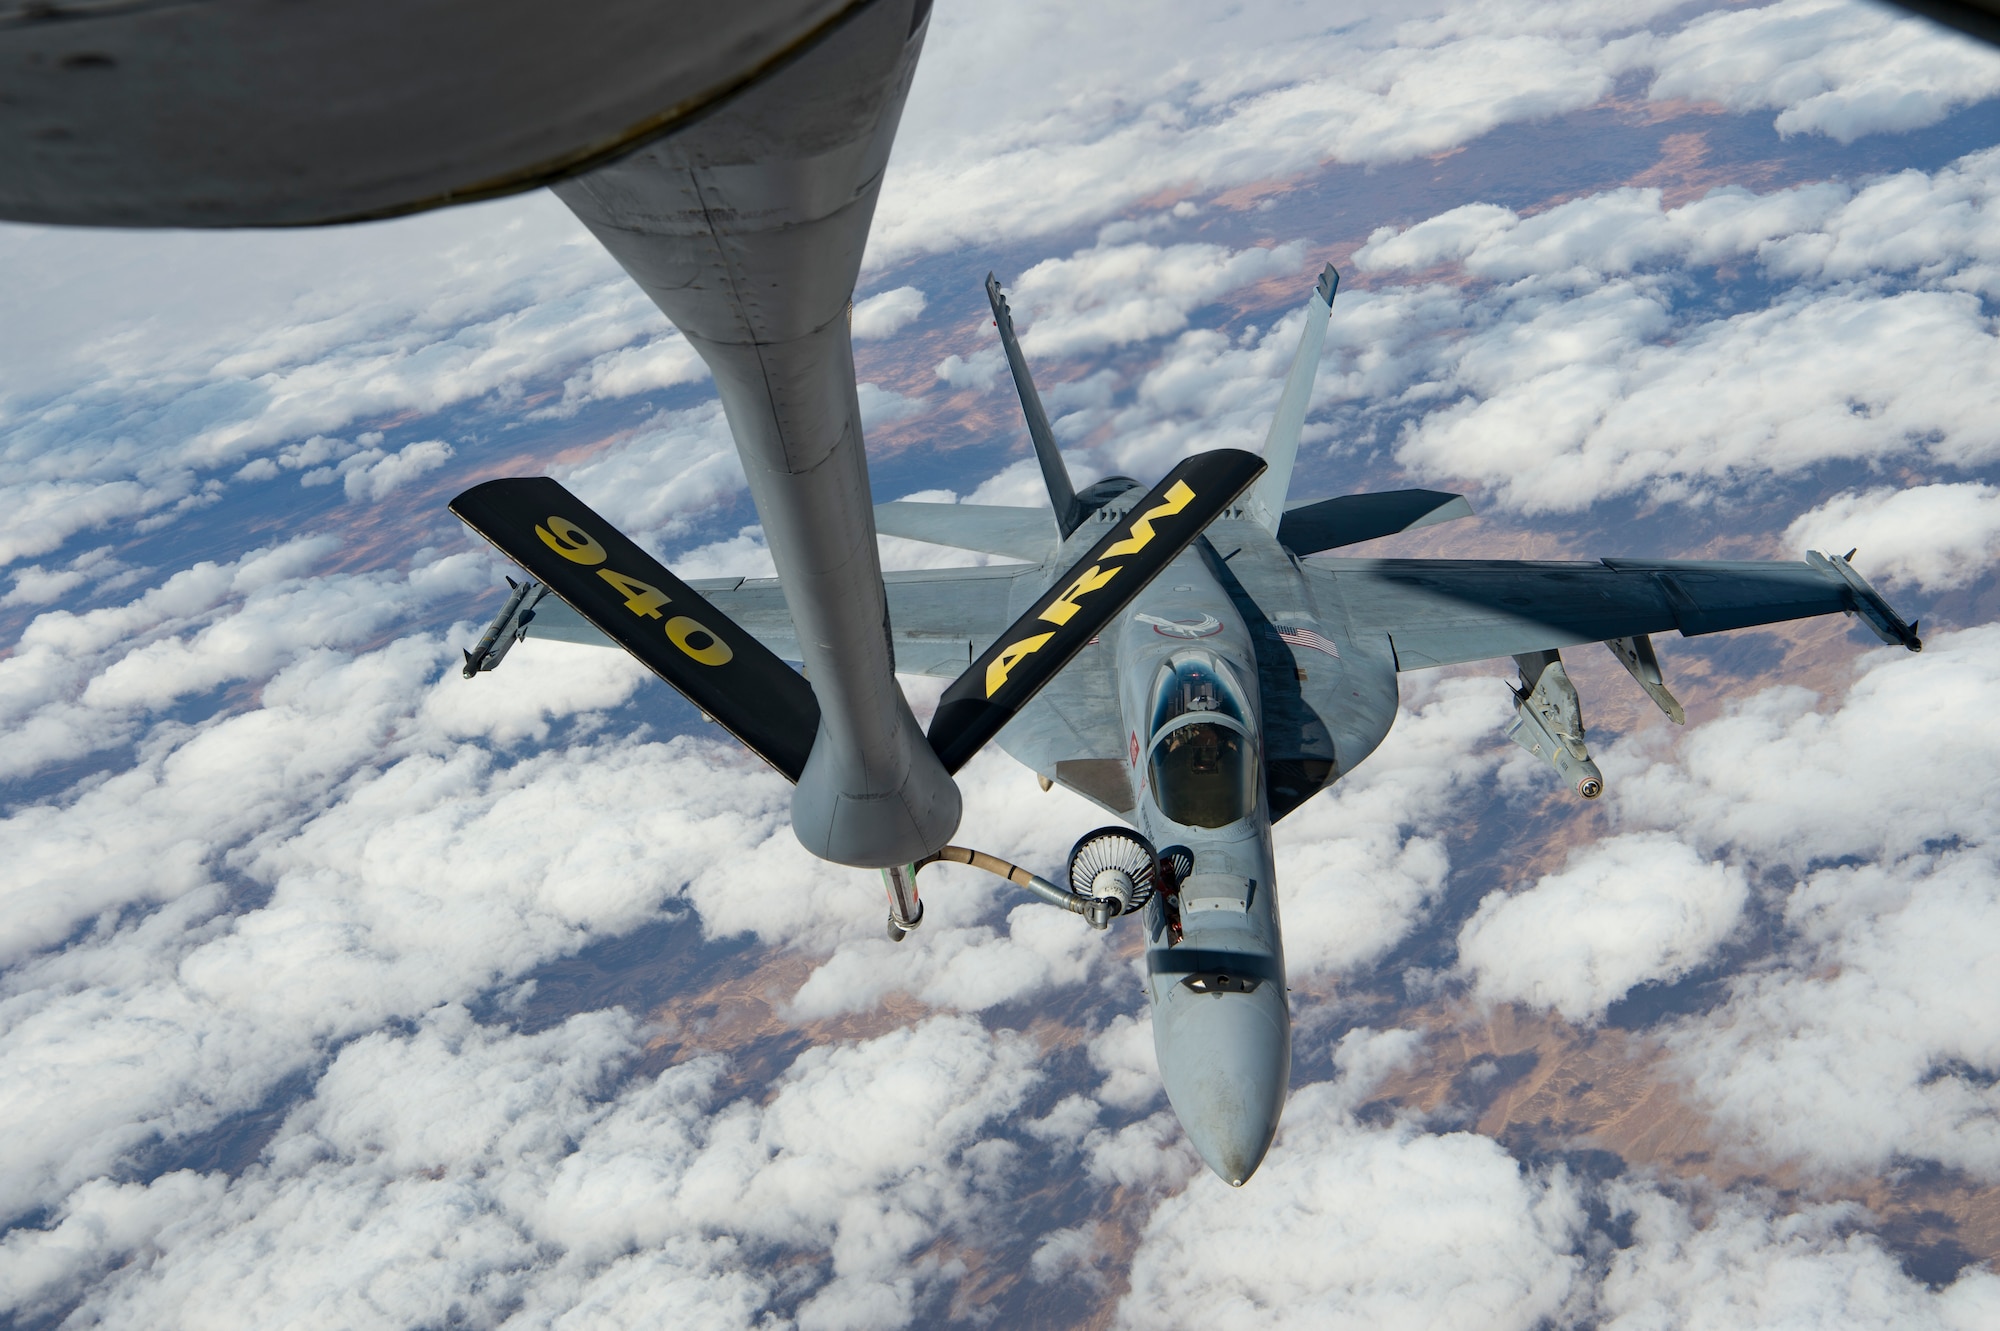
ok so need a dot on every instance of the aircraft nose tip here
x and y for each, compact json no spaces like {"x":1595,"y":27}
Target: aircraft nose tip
{"x":1225,"y":1062}
{"x":1232,"y":1134}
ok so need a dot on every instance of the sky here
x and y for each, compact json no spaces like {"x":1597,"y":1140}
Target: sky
{"x":336,"y":990}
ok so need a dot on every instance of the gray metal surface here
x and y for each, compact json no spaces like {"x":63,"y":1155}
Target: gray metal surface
{"x":990,"y":529}
{"x":509,"y":626}
{"x":1643,"y":664}
{"x":1326,"y":524}
{"x":1224,"y":1050}
{"x":1266,"y":501}
{"x":747,"y":230}
{"x":212,"y":113}
{"x":1071,"y":732}
{"x":941,"y":618}
{"x":1062,"y":494}
{"x":1442,"y":612}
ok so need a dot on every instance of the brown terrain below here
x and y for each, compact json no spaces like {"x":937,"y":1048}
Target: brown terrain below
{"x":1538,"y":1084}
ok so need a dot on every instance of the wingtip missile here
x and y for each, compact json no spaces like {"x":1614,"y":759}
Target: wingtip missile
{"x":1868,"y":604}
{"x":507,"y":628}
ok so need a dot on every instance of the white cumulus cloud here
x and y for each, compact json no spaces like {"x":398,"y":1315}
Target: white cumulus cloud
{"x":1869,"y":1038}
{"x":886,"y":313}
{"x":1829,"y":67}
{"x":1935,"y":536}
{"x":1349,"y":1226}
{"x":1622,"y":912}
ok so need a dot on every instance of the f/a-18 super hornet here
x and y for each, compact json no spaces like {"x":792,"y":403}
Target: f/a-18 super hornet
{"x":1187,"y":657}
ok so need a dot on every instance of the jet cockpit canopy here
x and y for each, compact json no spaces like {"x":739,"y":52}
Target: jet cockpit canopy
{"x":1203,"y":768}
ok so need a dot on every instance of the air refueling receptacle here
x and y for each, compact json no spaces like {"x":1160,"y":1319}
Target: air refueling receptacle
{"x":1548,"y":722}
{"x":1113,"y":871}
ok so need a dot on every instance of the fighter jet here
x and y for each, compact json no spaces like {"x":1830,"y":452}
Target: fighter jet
{"x":1187,"y":657}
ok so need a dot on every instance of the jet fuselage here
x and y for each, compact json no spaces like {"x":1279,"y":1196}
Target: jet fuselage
{"x":1238,"y":701}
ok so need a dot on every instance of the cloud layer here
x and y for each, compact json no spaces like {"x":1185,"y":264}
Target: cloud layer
{"x":291,"y":1029}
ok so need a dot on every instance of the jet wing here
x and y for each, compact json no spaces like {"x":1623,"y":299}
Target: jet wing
{"x":1014,"y":533}
{"x":1073,"y":732}
{"x":1442,"y":612}
{"x":939,"y":619}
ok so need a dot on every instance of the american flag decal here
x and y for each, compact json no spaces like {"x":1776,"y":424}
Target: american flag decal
{"x":1308,"y":638}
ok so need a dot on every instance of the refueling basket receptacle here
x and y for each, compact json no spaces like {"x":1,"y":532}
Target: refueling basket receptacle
{"x":1114,"y":864}
{"x":1112,"y":871}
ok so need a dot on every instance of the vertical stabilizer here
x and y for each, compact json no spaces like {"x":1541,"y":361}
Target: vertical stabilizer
{"x":1062,"y":494}
{"x":1281,"y":445}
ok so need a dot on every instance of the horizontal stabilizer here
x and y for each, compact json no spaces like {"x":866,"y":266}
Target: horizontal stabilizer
{"x":635,"y":601}
{"x":1015,"y":533}
{"x":1328,"y":524}
{"x":1079,"y":603}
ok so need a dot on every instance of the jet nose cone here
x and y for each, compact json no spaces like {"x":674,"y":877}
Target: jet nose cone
{"x":1225,"y":1060}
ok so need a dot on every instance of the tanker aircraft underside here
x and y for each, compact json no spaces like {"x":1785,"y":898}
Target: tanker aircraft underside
{"x":1186,"y":657}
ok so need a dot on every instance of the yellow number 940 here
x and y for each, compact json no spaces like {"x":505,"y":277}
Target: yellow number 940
{"x":571,"y":542}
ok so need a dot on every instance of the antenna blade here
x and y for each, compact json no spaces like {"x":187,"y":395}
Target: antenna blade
{"x":632,"y":598}
{"x":1062,"y":494}
{"x":1078,"y":605}
{"x":1281,"y":445}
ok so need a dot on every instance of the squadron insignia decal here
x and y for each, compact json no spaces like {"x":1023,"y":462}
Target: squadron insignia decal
{"x":1205,"y":627}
